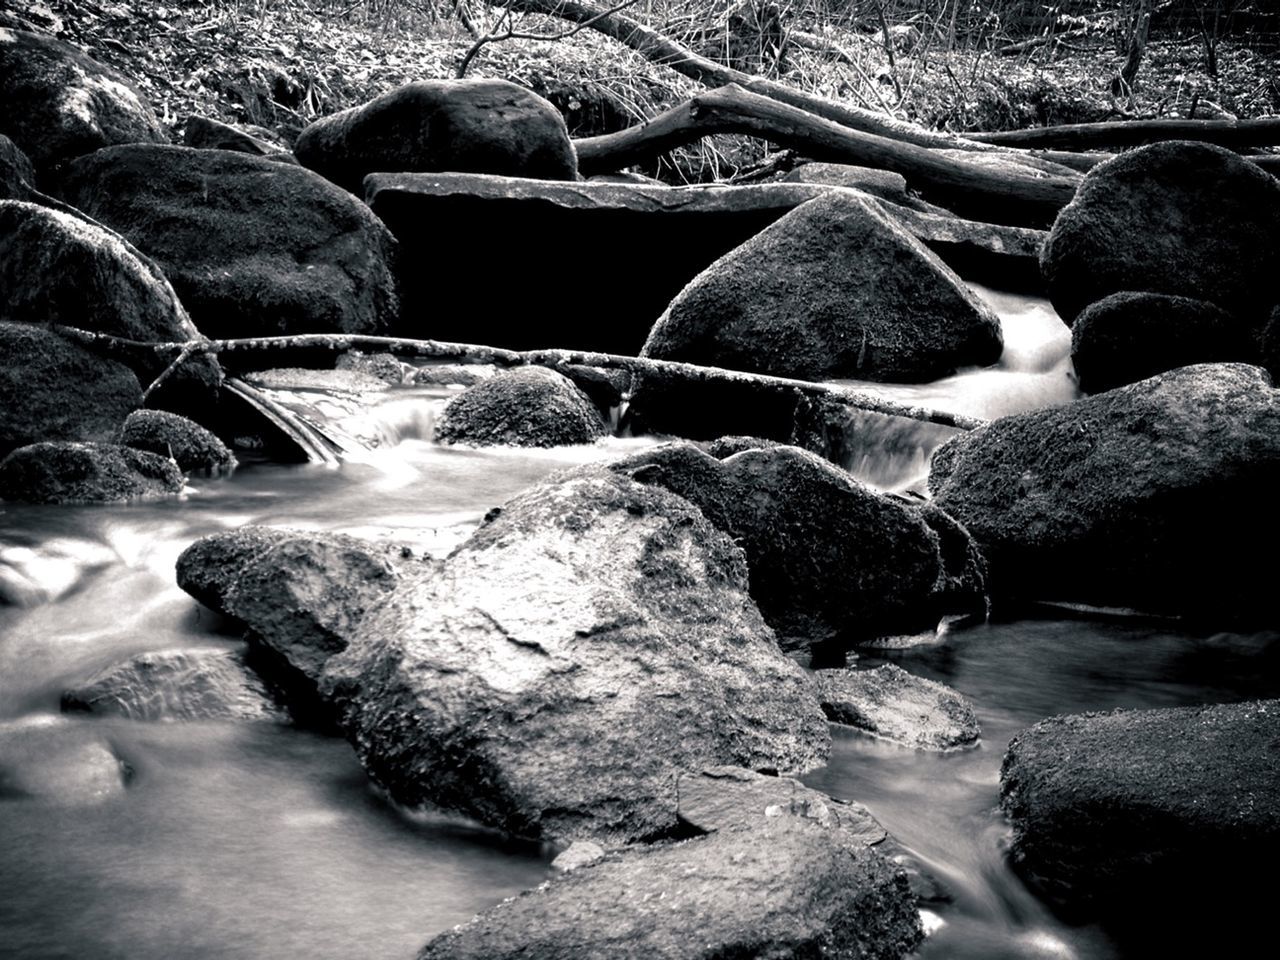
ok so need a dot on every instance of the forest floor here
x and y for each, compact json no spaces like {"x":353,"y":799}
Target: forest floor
{"x":281,"y":63}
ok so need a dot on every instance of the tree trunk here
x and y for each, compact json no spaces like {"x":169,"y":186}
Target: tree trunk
{"x":1236,"y":134}
{"x":966,"y":187}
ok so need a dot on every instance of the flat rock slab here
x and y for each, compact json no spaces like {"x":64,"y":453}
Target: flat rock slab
{"x":1111,"y":808}
{"x":896,"y":705}
{"x":626,"y":249}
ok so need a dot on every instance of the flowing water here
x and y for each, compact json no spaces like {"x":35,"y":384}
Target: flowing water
{"x":258,"y":841}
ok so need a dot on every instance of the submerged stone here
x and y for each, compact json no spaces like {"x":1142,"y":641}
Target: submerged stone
{"x":59,"y":762}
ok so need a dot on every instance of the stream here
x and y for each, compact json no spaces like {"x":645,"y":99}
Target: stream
{"x":259,"y":841}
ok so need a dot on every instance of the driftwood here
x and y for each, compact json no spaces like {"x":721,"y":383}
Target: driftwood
{"x":1236,"y":134}
{"x":498,"y":356}
{"x":314,"y":445}
{"x":1024,"y":46}
{"x":966,"y":187}
{"x":665,"y":51}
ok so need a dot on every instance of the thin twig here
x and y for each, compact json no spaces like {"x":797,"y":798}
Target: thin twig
{"x":495,"y":36}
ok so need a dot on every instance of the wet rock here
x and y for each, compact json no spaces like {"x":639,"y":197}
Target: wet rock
{"x":834,"y":289}
{"x":467,"y":126}
{"x":580,"y":853}
{"x":443,"y":218}
{"x":206,"y":134}
{"x":17,"y":175}
{"x":59,"y":762}
{"x":1146,"y":496}
{"x":254,"y":248}
{"x":524,"y":407}
{"x":590,"y":641}
{"x":67,"y":472}
{"x":782,"y":889}
{"x":962,"y":585}
{"x":1113,"y":809}
{"x":53,"y":389}
{"x":1128,"y":337}
{"x":384,"y":366}
{"x":210,"y":567}
{"x":57,"y":103}
{"x":896,"y":705}
{"x":453,"y":374}
{"x":188,"y":684}
{"x":193,"y":448}
{"x":56,"y":267}
{"x":831,"y":560}
{"x":1177,"y":218}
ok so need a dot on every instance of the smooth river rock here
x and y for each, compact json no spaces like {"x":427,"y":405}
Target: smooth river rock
{"x":894,"y":704}
{"x":524,"y":407}
{"x":62,"y":471}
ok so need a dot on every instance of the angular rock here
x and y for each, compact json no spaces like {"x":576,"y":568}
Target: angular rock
{"x":782,"y":890}
{"x":524,"y":407}
{"x":665,"y":235}
{"x":1146,"y":805}
{"x":1148,"y":496}
{"x":884,"y":184}
{"x":1127,"y":337}
{"x":834,"y":289}
{"x":56,"y":103}
{"x":384,"y":366}
{"x":193,"y":448}
{"x":59,"y":762}
{"x":1177,"y":218}
{"x":896,"y":705}
{"x":188,"y":684}
{"x":17,"y":175}
{"x":67,"y":472}
{"x":53,"y":389}
{"x":830,"y":559}
{"x":589,"y":642}
{"x":466,"y":126}
{"x":57,"y":267}
{"x":206,"y":134}
{"x":254,"y":248}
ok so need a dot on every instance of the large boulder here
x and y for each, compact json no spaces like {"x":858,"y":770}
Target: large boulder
{"x":785,"y":889}
{"x":1150,"y":496}
{"x":253,"y":247}
{"x":53,"y":389}
{"x":193,"y":448}
{"x":56,"y":103}
{"x":17,"y":175}
{"x":589,"y":642}
{"x":211,"y":683}
{"x":894,"y":704}
{"x":525,"y":407}
{"x":830,"y":559}
{"x":1127,"y":337}
{"x":1169,"y":808}
{"x":1178,"y":218}
{"x":67,"y":472}
{"x":665,"y":235}
{"x":834,"y":289}
{"x":466,"y":126}
{"x":56,"y":267}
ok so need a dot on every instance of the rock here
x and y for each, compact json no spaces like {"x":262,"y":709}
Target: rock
{"x":467,"y":126}
{"x":302,"y":595}
{"x":1113,"y":809}
{"x":56,"y":103}
{"x":453,"y":374}
{"x":53,"y":389}
{"x":58,"y":762}
{"x":962,"y":586}
{"x":524,"y":407}
{"x":834,"y":289}
{"x":1177,"y":218}
{"x":17,"y":175}
{"x":212,"y":683}
{"x":782,"y":890}
{"x":831,"y":560}
{"x":384,"y":366}
{"x":254,"y":248}
{"x":66,"y":472}
{"x":580,"y":853}
{"x":896,"y":705}
{"x":193,"y":448}
{"x":1128,"y":337}
{"x":442,"y":218}
{"x":206,"y":134}
{"x":884,"y":184}
{"x":59,"y":268}
{"x":591,"y":640}
{"x":1147,"y":496}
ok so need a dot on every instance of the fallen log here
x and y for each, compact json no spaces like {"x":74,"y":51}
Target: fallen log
{"x":1236,"y":134}
{"x":1024,"y":198}
{"x":479,"y":354}
{"x":665,"y":51}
